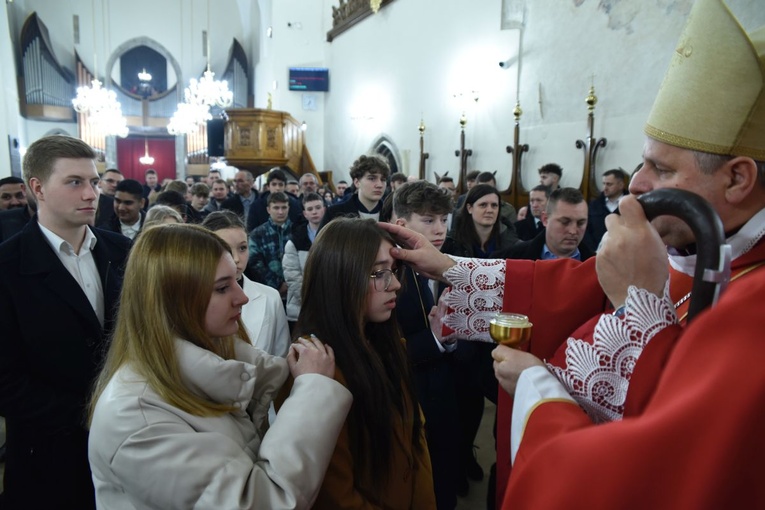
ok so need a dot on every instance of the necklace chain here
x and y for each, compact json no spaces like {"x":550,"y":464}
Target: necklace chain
{"x":682,"y":300}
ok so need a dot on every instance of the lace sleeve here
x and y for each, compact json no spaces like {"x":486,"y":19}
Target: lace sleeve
{"x":478,"y":288}
{"x":597,"y":374}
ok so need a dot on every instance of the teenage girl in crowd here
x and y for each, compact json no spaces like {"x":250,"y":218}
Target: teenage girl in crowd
{"x":179,"y":409}
{"x":349,"y":296}
{"x":263,"y":315}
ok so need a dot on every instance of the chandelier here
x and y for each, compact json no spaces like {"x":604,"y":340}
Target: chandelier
{"x":104,"y":112}
{"x":103,"y":109}
{"x":208,"y":91}
{"x":146,"y":159}
{"x":199,"y":97}
{"x":187,"y":118}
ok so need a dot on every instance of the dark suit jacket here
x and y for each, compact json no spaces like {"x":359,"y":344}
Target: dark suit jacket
{"x":527,"y":228}
{"x":434,"y":383}
{"x":105,"y":213}
{"x":233,"y":203}
{"x":532,"y":250}
{"x":347,"y":208}
{"x":13,"y":221}
{"x":596,"y":221}
{"x":51,"y":347}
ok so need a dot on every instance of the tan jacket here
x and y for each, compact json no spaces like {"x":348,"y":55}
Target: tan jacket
{"x":146,"y":453}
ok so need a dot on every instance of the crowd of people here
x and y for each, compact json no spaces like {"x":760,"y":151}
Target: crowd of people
{"x":206,"y":345}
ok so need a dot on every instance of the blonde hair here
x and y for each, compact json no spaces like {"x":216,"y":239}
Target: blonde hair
{"x":165,"y":295}
{"x":157,"y":215}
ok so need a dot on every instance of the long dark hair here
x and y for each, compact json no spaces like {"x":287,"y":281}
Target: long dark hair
{"x":464,"y":228}
{"x":370,"y":356}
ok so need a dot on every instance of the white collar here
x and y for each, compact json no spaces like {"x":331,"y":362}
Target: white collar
{"x":61,"y":245}
{"x":253,"y":375}
{"x":741,"y":242}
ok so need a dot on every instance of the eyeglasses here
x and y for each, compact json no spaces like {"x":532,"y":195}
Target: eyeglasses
{"x":383,"y":278}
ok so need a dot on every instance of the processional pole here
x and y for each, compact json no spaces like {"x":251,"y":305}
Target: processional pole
{"x":516,"y":183}
{"x":463,"y":154}
{"x":590,"y":147}
{"x":423,"y":155}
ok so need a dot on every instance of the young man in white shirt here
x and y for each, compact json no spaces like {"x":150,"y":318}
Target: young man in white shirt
{"x":59,"y":284}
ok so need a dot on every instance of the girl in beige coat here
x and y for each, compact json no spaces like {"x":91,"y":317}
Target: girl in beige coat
{"x":179,"y":411}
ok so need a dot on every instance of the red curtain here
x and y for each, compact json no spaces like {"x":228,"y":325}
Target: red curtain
{"x":161,"y":149}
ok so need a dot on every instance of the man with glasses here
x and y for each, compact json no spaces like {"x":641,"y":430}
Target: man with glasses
{"x":241,"y":202}
{"x":109,"y":180}
{"x":108,"y":185}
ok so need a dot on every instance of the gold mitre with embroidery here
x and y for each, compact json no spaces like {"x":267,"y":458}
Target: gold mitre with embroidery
{"x":713,"y":95}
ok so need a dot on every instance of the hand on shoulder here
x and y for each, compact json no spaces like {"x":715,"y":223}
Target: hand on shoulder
{"x":308,"y":355}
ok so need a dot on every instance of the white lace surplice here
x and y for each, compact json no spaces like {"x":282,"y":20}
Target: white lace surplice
{"x":478,"y":288}
{"x":597,"y":374}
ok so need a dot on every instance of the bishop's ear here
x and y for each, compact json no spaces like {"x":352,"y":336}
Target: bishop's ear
{"x":742,"y":178}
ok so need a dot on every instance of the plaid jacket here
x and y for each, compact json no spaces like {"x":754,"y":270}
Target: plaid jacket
{"x":266,"y":246}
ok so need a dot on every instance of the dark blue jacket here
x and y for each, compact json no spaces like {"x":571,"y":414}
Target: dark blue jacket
{"x":51,"y":349}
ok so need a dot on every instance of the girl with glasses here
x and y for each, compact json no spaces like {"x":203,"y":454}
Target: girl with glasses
{"x":349,"y":297}
{"x":178,"y":416}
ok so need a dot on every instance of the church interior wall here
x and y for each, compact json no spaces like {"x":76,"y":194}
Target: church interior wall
{"x":413,"y":60}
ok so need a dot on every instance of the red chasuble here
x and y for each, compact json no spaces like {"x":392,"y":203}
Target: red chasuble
{"x":558,"y":296}
{"x":538,"y":290}
{"x":697,"y":443}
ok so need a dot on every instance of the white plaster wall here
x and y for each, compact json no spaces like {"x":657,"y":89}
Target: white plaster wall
{"x":412,"y":56}
{"x":9,"y":101}
{"x":408,"y":61}
{"x":298,"y":40}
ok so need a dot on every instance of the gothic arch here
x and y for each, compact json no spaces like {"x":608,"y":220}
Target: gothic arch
{"x":385,"y":147}
{"x":154,"y":45}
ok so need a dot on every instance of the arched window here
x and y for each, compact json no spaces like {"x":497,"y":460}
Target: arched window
{"x":385,"y":147}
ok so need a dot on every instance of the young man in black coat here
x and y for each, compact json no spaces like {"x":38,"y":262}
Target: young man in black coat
{"x":60,"y":281}
{"x":424,"y":208}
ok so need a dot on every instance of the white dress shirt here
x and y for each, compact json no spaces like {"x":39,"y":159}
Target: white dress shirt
{"x":82,"y":266}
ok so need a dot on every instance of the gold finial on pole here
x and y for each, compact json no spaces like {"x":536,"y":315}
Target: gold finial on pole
{"x":423,"y":155}
{"x":517,"y":112}
{"x":590,"y":146}
{"x":591,"y":99}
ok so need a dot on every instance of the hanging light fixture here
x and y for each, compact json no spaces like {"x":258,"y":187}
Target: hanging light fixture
{"x":146,"y":159}
{"x":187,"y":118}
{"x":199,"y":97}
{"x":101,"y":105}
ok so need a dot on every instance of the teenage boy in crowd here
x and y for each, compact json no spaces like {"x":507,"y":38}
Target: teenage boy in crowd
{"x":424,"y":207}
{"x":370,"y":176}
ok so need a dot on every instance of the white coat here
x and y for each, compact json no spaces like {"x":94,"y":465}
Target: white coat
{"x":293,"y":264}
{"x":264,"y":318}
{"x":146,"y":453}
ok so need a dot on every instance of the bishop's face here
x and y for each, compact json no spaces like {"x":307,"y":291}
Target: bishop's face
{"x":666,"y":166}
